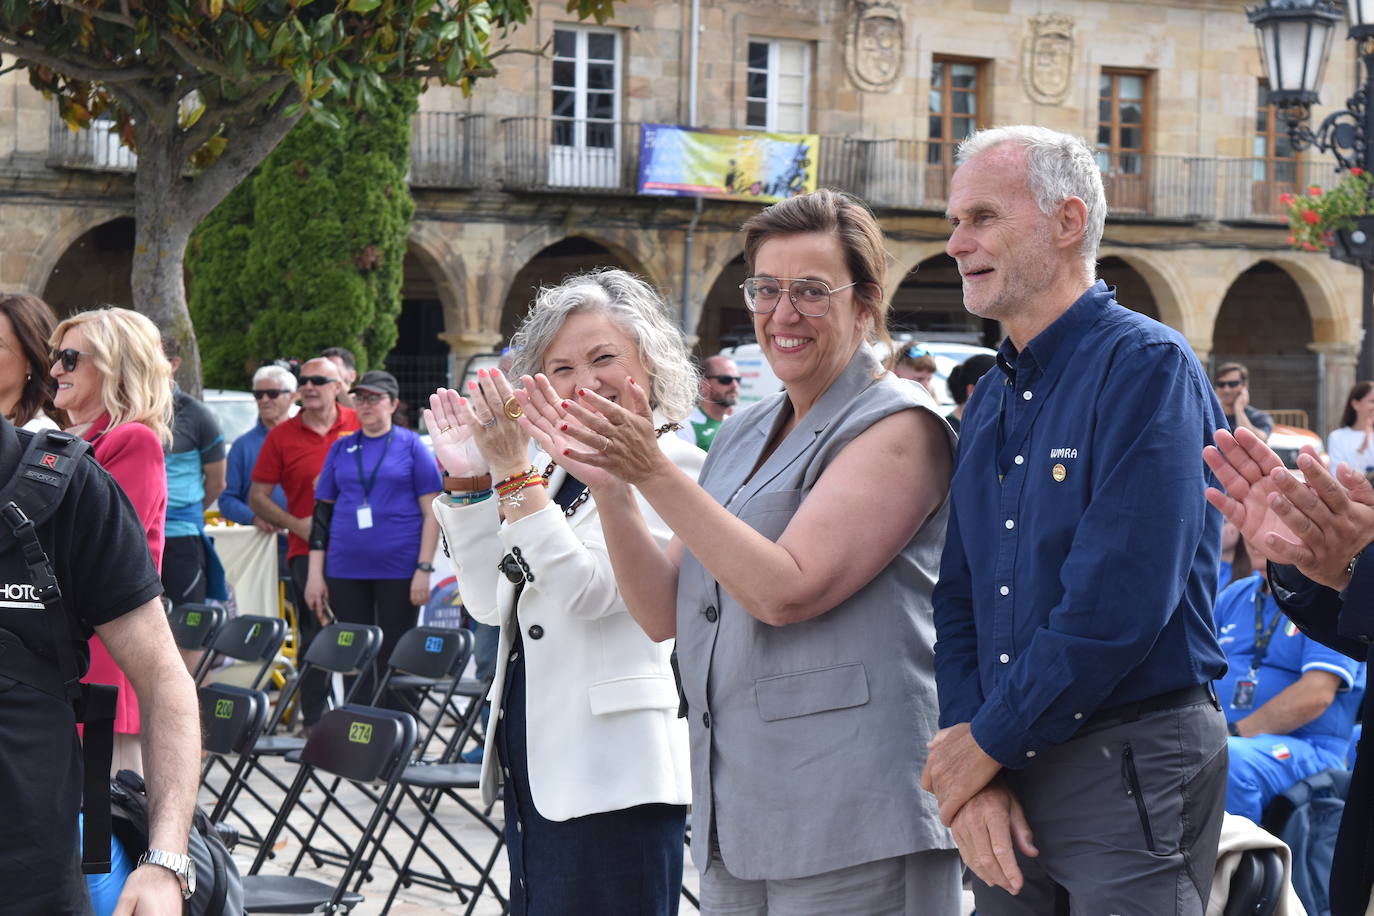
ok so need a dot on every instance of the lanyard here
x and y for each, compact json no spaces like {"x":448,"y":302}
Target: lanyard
{"x":369,"y":482}
{"x":1262,"y":634}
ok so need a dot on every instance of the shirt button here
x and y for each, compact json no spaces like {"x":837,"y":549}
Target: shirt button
{"x":1030,"y":753}
{"x":1010,"y":524}
{"x":1004,"y":590}
{"x":1004,"y":658}
{"x":706,"y":719}
{"x":1078,"y":715}
{"x":1026,"y":395}
{"x":536,"y":632}
{"x":1020,"y":459}
{"x":711,"y":614}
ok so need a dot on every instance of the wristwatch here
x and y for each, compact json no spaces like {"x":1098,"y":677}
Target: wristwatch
{"x":425,"y":567}
{"x":467,"y":484}
{"x":178,"y":864}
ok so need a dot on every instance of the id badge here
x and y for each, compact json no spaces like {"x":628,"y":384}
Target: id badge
{"x":364,"y":517}
{"x":1244,"y":697}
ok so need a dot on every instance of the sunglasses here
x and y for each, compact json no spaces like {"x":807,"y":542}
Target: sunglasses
{"x":319,"y":381}
{"x":1234,"y":383}
{"x":916,"y":352}
{"x":68,"y":358}
{"x":270,"y":393}
{"x":726,"y":379}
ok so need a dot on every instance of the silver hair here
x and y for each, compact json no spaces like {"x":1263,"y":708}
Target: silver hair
{"x":1058,"y":166}
{"x":277,"y":374}
{"x":637,"y":310}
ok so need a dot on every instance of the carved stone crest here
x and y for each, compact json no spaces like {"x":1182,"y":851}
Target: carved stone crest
{"x":873,"y":44}
{"x":1047,"y":58}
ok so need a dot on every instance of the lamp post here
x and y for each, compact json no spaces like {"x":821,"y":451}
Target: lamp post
{"x":1295,"y":41}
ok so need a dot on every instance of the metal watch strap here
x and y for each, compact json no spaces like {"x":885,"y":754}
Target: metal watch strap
{"x":179,"y":864}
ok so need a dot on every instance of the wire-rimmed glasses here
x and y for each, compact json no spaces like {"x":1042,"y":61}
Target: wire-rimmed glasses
{"x":809,"y":297}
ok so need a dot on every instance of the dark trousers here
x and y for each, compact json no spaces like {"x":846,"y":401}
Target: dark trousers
{"x":1127,"y":818}
{"x":377,"y":602}
{"x":316,"y":684}
{"x":183,"y":569}
{"x":618,"y":863}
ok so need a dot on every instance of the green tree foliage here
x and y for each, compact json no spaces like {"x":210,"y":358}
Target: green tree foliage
{"x":308,"y":252}
{"x":203,"y":90}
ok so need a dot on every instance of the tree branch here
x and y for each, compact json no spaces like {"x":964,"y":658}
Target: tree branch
{"x":75,"y":68}
{"x":245,"y":152}
{"x":213,"y":119}
{"x":97,"y":13}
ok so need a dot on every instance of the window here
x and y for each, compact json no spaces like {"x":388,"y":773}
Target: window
{"x":586,"y":108}
{"x":1123,"y":115}
{"x":778,"y":82}
{"x":955,"y":112}
{"x":1276,"y":168}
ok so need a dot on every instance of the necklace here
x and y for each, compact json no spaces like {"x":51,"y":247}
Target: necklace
{"x":586,"y":494}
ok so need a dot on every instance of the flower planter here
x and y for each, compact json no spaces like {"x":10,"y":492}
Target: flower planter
{"x":1354,"y":246}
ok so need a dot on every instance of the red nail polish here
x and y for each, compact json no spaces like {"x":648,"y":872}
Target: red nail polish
{"x":482,"y":373}
{"x":582,"y":392}
{"x":632,"y":380}
{"x":567,"y":451}
{"x":567,"y":404}
{"x":564,"y":427}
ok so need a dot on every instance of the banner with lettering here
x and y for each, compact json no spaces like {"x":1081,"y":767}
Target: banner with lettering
{"x":732,"y":164}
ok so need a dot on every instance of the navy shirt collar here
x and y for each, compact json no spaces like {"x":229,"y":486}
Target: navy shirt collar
{"x":1063,"y":334}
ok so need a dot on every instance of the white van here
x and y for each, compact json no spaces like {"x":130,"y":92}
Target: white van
{"x":757,"y":380}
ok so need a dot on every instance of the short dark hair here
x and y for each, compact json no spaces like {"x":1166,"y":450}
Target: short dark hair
{"x":33,"y":322}
{"x":344,"y":354}
{"x":1233,"y":367}
{"x":968,"y":373}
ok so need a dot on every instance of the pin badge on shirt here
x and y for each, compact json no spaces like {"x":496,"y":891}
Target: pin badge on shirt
{"x":1059,"y":472}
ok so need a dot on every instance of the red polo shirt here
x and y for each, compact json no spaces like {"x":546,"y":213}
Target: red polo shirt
{"x":292,"y":455}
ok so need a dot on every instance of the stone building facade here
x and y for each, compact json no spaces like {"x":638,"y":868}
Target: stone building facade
{"x":534,"y":176}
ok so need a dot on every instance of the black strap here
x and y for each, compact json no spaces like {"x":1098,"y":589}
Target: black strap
{"x":30,"y":498}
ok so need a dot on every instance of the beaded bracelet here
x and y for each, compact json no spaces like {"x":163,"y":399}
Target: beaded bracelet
{"x":513,"y":495}
{"x":519,"y":482}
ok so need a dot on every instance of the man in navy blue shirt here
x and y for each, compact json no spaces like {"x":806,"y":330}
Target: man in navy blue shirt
{"x":1081,"y":756}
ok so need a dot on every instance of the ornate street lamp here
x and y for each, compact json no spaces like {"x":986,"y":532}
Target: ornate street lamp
{"x":1295,"y":40}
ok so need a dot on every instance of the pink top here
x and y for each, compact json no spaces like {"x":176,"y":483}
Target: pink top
{"x":132,"y":453}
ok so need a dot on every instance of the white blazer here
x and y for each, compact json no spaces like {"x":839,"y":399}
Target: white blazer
{"x":601,"y":704}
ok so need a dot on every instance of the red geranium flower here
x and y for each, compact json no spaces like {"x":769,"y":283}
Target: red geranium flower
{"x":1286,"y":199}
{"x":1314,"y":191}
{"x":1311,"y":217}
{"x":1357,"y":171}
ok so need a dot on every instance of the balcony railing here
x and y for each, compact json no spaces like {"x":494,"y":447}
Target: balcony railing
{"x":459,"y":150}
{"x":447,"y":149}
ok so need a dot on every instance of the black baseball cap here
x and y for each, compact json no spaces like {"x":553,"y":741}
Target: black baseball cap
{"x":379,"y":382}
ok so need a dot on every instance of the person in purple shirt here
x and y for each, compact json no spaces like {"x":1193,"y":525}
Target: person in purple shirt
{"x":373,"y":537}
{"x":274,"y":389}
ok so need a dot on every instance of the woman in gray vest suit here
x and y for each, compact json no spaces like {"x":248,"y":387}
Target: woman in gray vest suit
{"x":798,"y":585}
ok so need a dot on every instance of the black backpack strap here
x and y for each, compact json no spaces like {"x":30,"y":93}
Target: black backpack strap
{"x":32,"y":495}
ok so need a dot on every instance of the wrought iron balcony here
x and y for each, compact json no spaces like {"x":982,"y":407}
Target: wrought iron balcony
{"x":447,"y":149}
{"x":97,"y":148}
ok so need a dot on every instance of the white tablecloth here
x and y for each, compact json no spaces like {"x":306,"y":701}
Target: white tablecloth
{"x":249,"y":556}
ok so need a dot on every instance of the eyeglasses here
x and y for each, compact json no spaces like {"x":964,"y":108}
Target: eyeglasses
{"x":726,"y":379}
{"x":809,"y":297}
{"x":1233,"y":383}
{"x":370,"y":397}
{"x":270,"y":393}
{"x":68,"y":358}
{"x":319,"y":381}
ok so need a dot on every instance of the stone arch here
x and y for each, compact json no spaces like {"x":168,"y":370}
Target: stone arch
{"x":724,"y":321}
{"x":420,"y":357}
{"x":78,"y":222}
{"x":550,"y":263}
{"x":927,"y":300}
{"x":1160,"y":280}
{"x":94,"y":269}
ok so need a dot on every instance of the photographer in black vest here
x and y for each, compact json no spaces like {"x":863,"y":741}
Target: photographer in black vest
{"x":93,"y":546}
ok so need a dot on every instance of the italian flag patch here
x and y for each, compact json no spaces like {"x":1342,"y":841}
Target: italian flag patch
{"x":1291,"y":629}
{"x":1281,"y":752}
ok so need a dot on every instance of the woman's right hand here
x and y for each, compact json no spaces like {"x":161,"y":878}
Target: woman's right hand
{"x":317,"y":598}
{"x":451,"y":436}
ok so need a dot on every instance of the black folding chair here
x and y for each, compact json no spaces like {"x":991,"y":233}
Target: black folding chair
{"x":357,"y":745}
{"x":249,"y":638}
{"x":194,"y":626}
{"x":426,"y":785}
{"x":424,"y":671}
{"x":340,"y":648}
{"x":231,"y":720}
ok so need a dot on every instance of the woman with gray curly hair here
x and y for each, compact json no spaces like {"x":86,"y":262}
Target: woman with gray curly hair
{"x":588,"y":750}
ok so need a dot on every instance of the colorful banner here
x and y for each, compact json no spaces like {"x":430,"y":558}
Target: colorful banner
{"x":732,"y":164}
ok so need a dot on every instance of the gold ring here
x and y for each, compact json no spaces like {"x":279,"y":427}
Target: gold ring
{"x":605,"y":445}
{"x":512,"y":408}
{"x":445,"y":429}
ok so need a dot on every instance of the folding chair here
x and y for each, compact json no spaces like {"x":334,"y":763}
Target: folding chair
{"x":359,"y":745}
{"x":340,"y":648}
{"x":249,"y":638}
{"x":424,"y":669}
{"x":231,"y":720}
{"x":194,"y":626}
{"x":426,"y":785}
